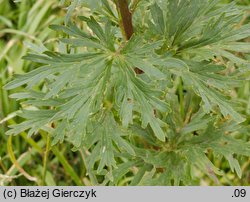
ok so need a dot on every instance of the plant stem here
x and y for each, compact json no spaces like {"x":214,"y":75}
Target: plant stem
{"x":126,"y":18}
{"x":45,"y":160}
{"x":16,"y":163}
{"x":66,"y":165}
{"x":126,"y":23}
{"x":181,"y":97}
{"x":2,"y":166}
{"x":92,"y":177}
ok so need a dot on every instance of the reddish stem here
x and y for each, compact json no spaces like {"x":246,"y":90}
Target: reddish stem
{"x":127,"y":23}
{"x":126,"y":16}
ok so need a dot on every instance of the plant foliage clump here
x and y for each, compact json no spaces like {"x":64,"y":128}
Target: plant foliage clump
{"x":143,"y":88}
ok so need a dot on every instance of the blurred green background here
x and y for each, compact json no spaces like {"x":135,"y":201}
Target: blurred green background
{"x":25,"y":161}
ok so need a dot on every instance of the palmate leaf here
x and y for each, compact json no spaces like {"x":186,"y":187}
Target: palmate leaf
{"x":157,"y":126}
{"x":204,"y":79}
{"x":89,"y":69}
{"x":190,"y":153}
{"x":75,"y":86}
{"x":178,"y":20}
{"x":221,"y":144}
{"x":200,"y":28}
{"x":177,"y":166}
